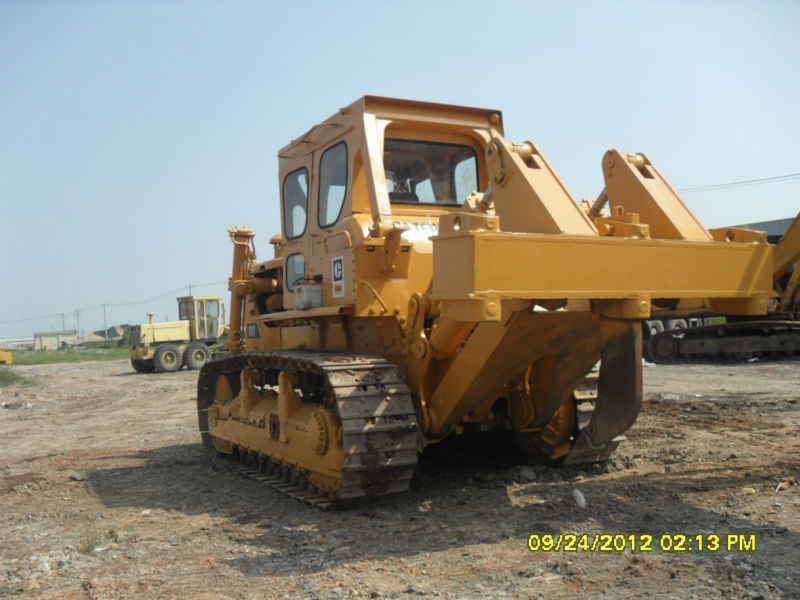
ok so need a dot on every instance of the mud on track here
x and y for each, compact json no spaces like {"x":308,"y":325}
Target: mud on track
{"x":105,"y":492}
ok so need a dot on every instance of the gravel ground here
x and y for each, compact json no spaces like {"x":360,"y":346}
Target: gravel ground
{"x":105,"y":492}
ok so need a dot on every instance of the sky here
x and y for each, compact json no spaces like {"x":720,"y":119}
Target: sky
{"x":134,"y":134}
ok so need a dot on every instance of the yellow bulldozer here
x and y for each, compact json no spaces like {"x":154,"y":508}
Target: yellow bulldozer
{"x":166,"y":347}
{"x":433,"y":278}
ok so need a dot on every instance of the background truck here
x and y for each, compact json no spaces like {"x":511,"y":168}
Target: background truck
{"x":433,"y":279}
{"x":166,"y":347}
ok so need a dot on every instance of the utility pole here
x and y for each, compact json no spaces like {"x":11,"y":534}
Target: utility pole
{"x":78,"y":323}
{"x":63,"y":325}
{"x":190,"y":289}
{"x":105,"y":327}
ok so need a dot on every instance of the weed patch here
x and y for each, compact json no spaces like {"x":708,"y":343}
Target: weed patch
{"x":8,"y":377}
{"x":30,"y":357}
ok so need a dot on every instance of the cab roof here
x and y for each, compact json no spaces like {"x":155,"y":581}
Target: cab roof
{"x":420,"y":114}
{"x":187,"y":298}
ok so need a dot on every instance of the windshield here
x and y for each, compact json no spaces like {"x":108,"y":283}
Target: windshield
{"x":429,"y":172}
{"x":186,"y":310}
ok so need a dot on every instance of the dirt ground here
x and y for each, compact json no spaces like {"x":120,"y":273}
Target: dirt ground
{"x":105,"y":492}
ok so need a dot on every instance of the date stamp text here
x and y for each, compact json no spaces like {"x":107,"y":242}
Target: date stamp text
{"x":641,"y":542}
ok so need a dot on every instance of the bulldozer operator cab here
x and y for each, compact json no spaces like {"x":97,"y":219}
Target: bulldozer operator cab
{"x":204,"y":314}
{"x":372,"y":165}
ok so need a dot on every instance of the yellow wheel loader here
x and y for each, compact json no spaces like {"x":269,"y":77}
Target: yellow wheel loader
{"x":166,"y":347}
{"x":433,"y":278}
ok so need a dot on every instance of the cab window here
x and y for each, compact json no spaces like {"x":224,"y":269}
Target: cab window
{"x":186,"y":310}
{"x":465,"y":176}
{"x":201,"y":327}
{"x":212,"y":314}
{"x":295,"y":270}
{"x":295,"y":203}
{"x":332,"y":184}
{"x":419,"y":172}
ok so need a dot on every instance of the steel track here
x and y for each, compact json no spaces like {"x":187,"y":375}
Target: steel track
{"x":728,"y":342}
{"x":380,"y":435}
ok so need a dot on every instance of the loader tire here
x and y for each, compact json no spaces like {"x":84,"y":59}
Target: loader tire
{"x":142,"y":366}
{"x":196,"y":355}
{"x":167,"y":358}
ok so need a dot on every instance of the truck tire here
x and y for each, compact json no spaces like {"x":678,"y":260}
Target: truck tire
{"x":142,"y":366}
{"x":196,"y":355}
{"x":654,"y":327}
{"x":663,"y":349}
{"x":676,"y":324}
{"x":167,"y":358}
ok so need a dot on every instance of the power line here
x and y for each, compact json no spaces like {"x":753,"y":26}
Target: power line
{"x":169,"y":293}
{"x":159,"y":297}
{"x":33,"y":318}
{"x":734,"y":184}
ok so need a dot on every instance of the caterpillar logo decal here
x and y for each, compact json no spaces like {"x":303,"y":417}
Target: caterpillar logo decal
{"x":337,"y":276}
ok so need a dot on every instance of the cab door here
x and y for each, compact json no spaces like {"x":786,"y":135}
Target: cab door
{"x":207,"y":319}
{"x":212,"y":318}
{"x":330,"y":256}
{"x":295,"y":211}
{"x":200,"y":312}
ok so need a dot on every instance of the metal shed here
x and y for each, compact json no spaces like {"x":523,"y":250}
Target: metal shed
{"x":53,"y":340}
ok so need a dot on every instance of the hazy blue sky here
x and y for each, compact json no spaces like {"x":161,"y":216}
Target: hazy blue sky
{"x":133,"y":134}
